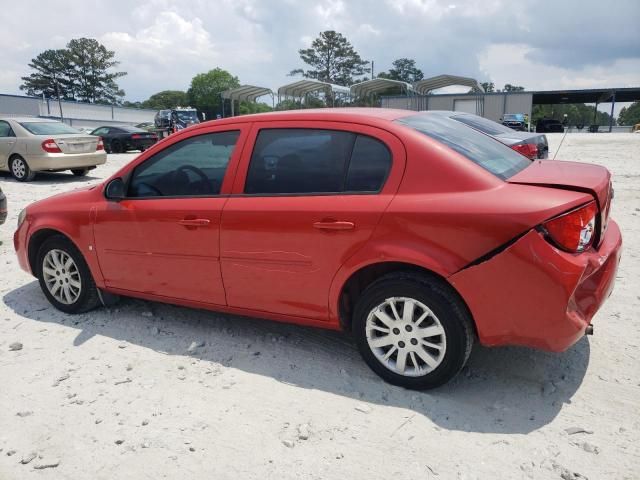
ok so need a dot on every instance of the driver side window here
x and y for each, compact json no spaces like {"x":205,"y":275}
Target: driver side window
{"x":194,"y":167}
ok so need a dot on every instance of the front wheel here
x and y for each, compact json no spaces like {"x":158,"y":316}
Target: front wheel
{"x":413,"y":330}
{"x":64,"y":276}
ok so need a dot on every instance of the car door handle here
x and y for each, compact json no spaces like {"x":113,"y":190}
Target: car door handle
{"x":195,"y":222}
{"x":336,"y":225}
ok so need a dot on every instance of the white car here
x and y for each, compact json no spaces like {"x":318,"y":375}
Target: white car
{"x":30,"y":145}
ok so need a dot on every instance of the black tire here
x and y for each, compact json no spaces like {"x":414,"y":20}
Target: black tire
{"x":453,"y":316}
{"x":80,"y":172}
{"x":142,"y":149}
{"x":88,"y":298}
{"x":116,"y":146}
{"x":20,"y":169}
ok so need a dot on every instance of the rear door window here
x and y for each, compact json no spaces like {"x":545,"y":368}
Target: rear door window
{"x":481,"y":149}
{"x":309,"y":161}
{"x":299,"y":161}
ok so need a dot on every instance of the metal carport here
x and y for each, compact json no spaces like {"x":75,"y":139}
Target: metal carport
{"x":369,"y":87}
{"x":244,"y":93}
{"x":301,"y":88}
{"x":424,"y":87}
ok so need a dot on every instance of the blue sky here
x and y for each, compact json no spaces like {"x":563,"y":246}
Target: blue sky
{"x":162,"y":44}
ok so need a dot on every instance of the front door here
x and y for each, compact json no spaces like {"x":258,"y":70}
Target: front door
{"x":163,"y":238}
{"x":304,"y":201}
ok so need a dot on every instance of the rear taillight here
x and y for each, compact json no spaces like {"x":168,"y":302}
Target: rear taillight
{"x":573,"y":231}
{"x":136,"y":136}
{"x":529,"y":150}
{"x":100,"y":145}
{"x":50,"y":146}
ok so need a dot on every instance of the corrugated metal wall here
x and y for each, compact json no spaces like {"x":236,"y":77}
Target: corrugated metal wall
{"x":75,"y":113}
{"x":491,"y":106}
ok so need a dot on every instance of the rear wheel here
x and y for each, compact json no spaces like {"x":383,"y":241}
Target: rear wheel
{"x":20,"y":169}
{"x":80,"y":172}
{"x":413,"y":330}
{"x":64,"y":276}
{"x":116,"y":147}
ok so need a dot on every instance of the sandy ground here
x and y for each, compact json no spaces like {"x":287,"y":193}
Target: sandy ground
{"x":115,"y":393}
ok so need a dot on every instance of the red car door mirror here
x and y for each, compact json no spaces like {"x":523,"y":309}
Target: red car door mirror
{"x":115,"y":190}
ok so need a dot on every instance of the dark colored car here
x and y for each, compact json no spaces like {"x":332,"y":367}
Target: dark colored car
{"x":162,"y":118}
{"x":515,"y":121}
{"x":3,"y":207}
{"x":549,"y":125}
{"x":530,"y":145}
{"x":123,"y":138}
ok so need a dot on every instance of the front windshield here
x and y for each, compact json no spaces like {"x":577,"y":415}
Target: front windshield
{"x":187,"y":116}
{"x":49,"y":128}
{"x":481,"y":149}
{"x":516,"y":117}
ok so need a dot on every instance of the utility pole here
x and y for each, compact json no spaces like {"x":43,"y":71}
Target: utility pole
{"x":59,"y":100}
{"x":372,"y":74}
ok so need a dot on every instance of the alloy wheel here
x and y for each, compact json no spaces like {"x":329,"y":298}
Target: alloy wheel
{"x":61,"y":276}
{"x":406,"y":336}
{"x":18,"y":168}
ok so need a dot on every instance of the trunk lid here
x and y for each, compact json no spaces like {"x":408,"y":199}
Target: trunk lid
{"x":576,"y":176}
{"x":76,"y":143}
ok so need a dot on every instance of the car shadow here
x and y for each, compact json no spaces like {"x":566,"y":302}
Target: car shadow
{"x":501,"y":390}
{"x":48,"y":178}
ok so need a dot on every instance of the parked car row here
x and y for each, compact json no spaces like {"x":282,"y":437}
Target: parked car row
{"x":414,"y":231}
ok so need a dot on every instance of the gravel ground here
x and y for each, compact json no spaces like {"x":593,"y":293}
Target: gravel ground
{"x":119,"y":393}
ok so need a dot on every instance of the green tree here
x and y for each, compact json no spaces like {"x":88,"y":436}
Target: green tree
{"x":488,"y":87}
{"x":52,"y":77}
{"x":254,"y":107}
{"x":166,"y":99}
{"x":332,"y":59}
{"x":513,"y":88}
{"x":94,"y":81}
{"x":204,"y":92}
{"x":577,"y":114}
{"x":629,"y":115}
{"x":82,"y":71}
{"x":404,"y":70}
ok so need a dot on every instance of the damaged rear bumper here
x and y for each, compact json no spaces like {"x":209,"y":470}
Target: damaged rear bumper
{"x":535,"y":295}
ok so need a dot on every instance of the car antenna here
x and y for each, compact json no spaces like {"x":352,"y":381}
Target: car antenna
{"x":565,"y":134}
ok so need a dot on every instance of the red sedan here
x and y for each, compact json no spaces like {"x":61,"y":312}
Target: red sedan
{"x":412,"y":231}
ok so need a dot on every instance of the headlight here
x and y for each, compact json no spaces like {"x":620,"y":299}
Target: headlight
{"x":21,"y":217}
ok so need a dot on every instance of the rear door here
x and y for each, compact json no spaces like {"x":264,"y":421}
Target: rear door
{"x":307,"y":196}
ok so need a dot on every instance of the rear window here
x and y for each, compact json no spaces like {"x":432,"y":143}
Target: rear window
{"x":48,"y":128}
{"x":485,"y":126}
{"x":481,"y":149}
{"x":131,"y":129}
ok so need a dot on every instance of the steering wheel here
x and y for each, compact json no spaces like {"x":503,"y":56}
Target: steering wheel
{"x":150,"y":187}
{"x":195,"y":170}
{"x":206,"y":183}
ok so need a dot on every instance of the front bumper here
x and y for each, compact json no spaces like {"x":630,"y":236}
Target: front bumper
{"x":65,"y":161}
{"x":535,"y":295}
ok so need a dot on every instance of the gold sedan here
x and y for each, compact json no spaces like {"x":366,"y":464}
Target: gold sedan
{"x":31,"y":145}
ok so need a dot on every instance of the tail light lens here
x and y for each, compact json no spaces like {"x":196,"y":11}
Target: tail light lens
{"x":529,"y":150}
{"x":573,"y":231}
{"x":100,"y":144}
{"x":50,"y":146}
{"x":136,"y":136}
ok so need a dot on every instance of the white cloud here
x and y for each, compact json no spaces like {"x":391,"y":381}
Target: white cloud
{"x":163,"y":43}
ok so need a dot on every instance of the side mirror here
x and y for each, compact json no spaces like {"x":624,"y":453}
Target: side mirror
{"x":115,"y":190}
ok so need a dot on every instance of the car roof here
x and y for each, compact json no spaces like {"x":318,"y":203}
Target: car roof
{"x":30,"y":119}
{"x":325,"y":114}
